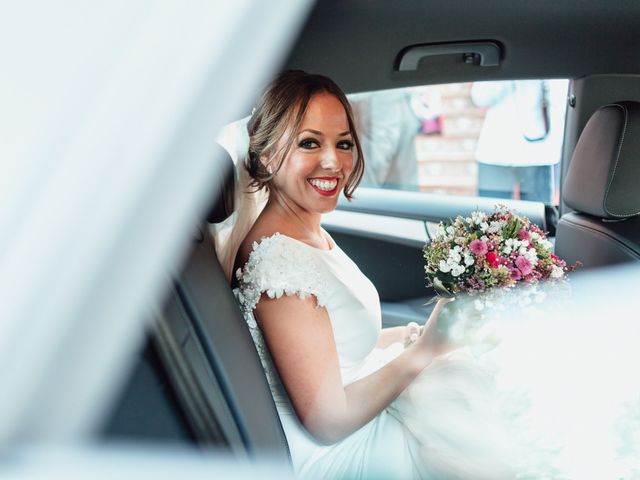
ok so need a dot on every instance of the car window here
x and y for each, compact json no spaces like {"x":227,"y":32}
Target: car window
{"x":498,"y":139}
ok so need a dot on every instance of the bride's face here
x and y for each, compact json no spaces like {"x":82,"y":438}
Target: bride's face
{"x":321,"y":158}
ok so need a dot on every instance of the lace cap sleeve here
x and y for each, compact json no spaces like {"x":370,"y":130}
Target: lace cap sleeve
{"x":278,"y":266}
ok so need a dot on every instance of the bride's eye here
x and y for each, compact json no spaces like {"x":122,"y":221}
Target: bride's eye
{"x":345,"y":145}
{"x":308,"y":143}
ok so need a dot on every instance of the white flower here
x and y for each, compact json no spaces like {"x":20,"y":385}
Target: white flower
{"x":484,"y":226}
{"x":557,"y":272}
{"x":457,"y":270}
{"x":508,"y":246}
{"x":468,"y":260}
{"x":546,"y":244}
{"x":450,"y":230}
{"x":495,"y":227}
{"x":444,"y":266}
{"x":523,"y":250}
{"x":477,"y":218}
{"x":532,"y":256}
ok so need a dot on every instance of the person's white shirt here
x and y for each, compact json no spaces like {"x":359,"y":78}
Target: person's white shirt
{"x":514,"y":115}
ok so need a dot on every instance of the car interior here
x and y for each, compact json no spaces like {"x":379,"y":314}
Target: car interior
{"x":199,"y":380}
{"x":600,"y":188}
{"x":199,"y":365}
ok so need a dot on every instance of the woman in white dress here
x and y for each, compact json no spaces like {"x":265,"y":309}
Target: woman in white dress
{"x":355,"y":400}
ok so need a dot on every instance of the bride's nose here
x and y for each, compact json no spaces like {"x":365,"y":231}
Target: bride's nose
{"x":329,"y":160}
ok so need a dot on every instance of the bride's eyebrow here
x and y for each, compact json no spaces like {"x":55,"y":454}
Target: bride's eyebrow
{"x":310,"y":130}
{"x":316,"y":132}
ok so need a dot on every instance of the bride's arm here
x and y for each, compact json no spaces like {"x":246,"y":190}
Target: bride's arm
{"x":301,"y":343}
{"x":391,"y":335}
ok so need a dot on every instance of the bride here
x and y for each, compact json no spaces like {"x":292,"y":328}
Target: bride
{"x":355,"y":400}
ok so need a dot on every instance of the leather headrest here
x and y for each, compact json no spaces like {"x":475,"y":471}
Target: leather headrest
{"x":223,"y":188}
{"x":604,"y":172}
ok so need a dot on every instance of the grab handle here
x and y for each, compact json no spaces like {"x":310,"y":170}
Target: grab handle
{"x":484,"y":54}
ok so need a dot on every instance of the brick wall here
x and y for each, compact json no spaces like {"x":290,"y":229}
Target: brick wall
{"x":446,"y":161}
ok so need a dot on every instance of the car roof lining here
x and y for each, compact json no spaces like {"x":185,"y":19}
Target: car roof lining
{"x":356,"y":42}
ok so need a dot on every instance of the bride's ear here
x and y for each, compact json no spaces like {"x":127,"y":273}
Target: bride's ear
{"x":266,"y":163}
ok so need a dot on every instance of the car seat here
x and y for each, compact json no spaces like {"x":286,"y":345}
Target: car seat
{"x":602,"y":187}
{"x":200,"y":379}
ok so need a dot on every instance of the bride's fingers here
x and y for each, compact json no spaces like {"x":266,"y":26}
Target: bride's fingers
{"x":412,"y":327}
{"x":432,"y":337}
{"x":436,"y":310}
{"x":411,"y":333}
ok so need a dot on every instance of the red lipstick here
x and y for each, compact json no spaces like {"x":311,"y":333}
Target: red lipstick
{"x":324,"y":193}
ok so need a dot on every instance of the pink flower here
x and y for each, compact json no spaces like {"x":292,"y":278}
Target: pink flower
{"x":478,"y":247}
{"x":535,"y":229}
{"x":524,"y":265}
{"x":557,"y":261}
{"x":515,"y":274}
{"x":524,"y":234}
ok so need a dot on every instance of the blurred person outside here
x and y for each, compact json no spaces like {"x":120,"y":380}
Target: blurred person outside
{"x":387,"y":126}
{"x":427,"y":106}
{"x":521,"y":138}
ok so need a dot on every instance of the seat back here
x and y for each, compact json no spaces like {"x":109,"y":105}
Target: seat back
{"x":602,"y":189}
{"x":208,"y":349}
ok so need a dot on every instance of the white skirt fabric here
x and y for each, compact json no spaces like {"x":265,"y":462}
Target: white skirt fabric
{"x":445,"y":425}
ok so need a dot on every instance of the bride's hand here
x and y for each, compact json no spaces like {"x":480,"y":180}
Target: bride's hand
{"x":433,"y":339}
{"x":411,"y":333}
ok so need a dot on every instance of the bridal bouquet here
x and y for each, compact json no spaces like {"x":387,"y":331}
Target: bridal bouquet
{"x":483,"y":251}
{"x":482,"y":257}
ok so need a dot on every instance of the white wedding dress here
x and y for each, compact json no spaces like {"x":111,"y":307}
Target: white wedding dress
{"x":442,"y":426}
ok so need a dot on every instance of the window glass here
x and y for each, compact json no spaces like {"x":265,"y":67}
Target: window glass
{"x":499,"y":139}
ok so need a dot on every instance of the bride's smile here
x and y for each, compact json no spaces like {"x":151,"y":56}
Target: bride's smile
{"x":324,"y":185}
